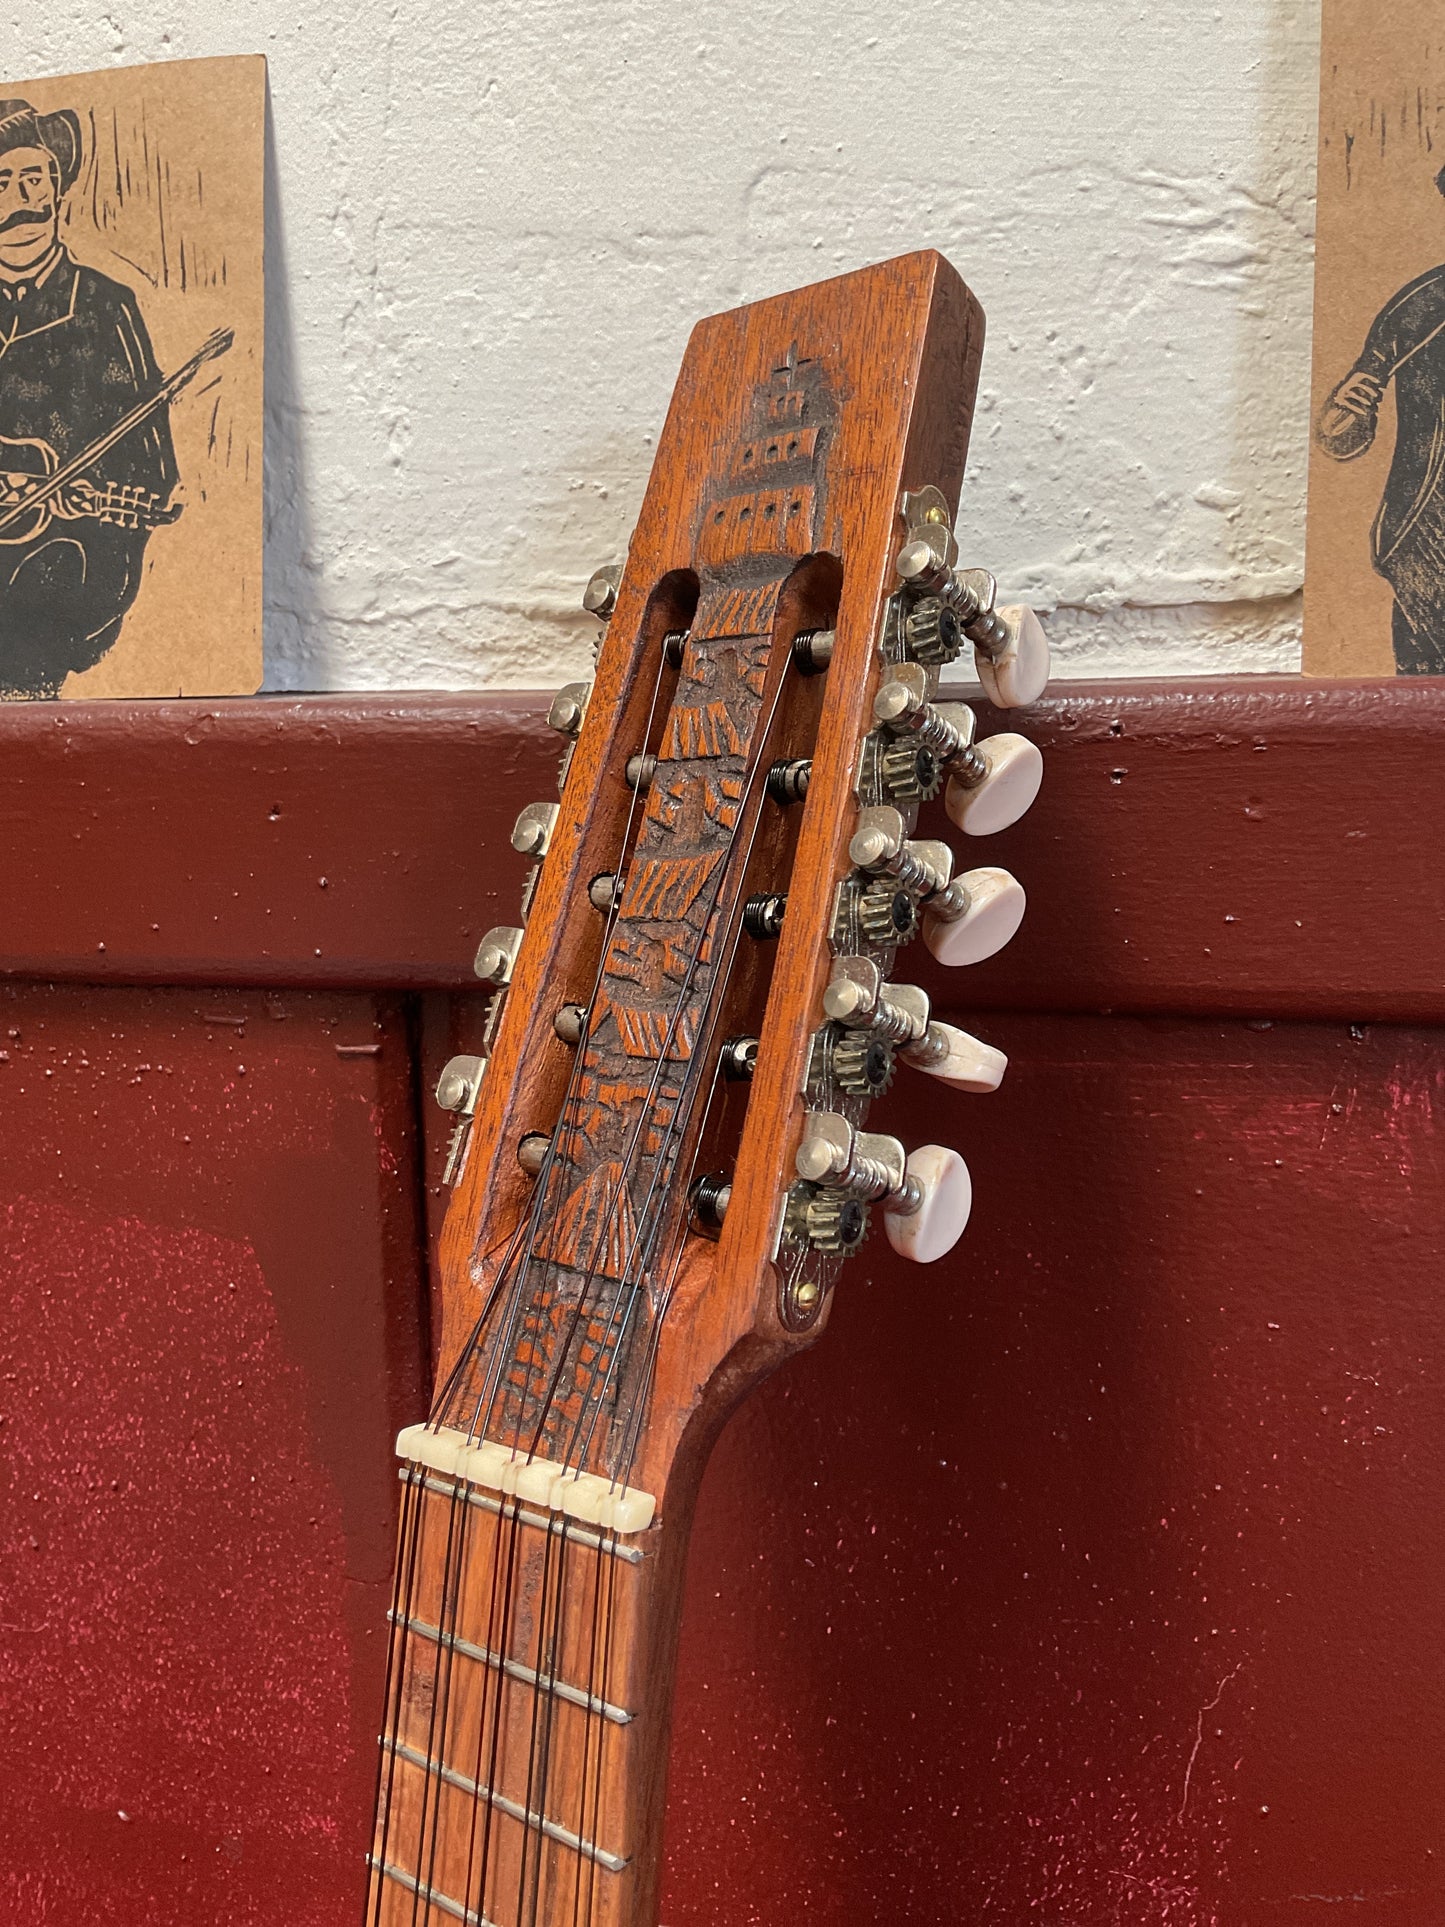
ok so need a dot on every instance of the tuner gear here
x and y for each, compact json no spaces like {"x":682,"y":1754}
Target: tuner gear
{"x":909,"y":772}
{"x":830,"y":1220}
{"x":887,"y":915}
{"x":932,"y":632}
{"x":862,"y":1064}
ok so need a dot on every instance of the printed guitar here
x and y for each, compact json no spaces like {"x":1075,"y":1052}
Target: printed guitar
{"x":662,"y":1162}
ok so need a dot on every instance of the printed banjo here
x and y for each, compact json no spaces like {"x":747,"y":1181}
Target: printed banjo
{"x":662,"y":1162}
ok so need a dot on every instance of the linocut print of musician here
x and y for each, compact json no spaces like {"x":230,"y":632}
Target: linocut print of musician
{"x":87,"y":469}
{"x":1406,"y":347}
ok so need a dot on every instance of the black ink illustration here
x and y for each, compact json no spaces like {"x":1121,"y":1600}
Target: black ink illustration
{"x":87,"y":467}
{"x":1406,"y":346}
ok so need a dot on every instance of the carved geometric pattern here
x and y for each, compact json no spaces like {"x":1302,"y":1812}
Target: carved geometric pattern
{"x":614,"y":1199}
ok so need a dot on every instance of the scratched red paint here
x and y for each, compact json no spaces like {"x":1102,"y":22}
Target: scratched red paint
{"x":174,"y":1570}
{"x":201,"y":1204}
{"x":1091,"y":1578}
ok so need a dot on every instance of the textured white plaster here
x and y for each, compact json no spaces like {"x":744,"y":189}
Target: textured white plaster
{"x":493,"y":225}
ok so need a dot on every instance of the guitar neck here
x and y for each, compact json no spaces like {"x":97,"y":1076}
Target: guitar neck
{"x":524,"y":1749}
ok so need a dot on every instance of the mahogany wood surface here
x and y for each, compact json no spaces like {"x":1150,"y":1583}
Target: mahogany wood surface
{"x":186,"y":842}
{"x":1088,"y":1577}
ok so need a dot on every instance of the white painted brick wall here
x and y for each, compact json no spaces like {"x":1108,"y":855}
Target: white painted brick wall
{"x":495,"y":220}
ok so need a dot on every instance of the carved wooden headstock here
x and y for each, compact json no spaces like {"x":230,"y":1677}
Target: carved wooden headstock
{"x":662,"y":1161}
{"x":663,"y":1157}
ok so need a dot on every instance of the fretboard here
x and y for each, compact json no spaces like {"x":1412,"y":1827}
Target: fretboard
{"x":524,"y":1741}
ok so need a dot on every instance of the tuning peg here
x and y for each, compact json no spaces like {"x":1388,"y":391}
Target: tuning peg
{"x":974,"y":917}
{"x":962,"y":1062}
{"x":569,"y":1023}
{"x":994,"y":786}
{"x":926,"y":1218}
{"x":1014,"y":668}
{"x":926,"y":1196}
{"x":857,"y":997}
{"x":599,"y":598}
{"x":1011,"y":651}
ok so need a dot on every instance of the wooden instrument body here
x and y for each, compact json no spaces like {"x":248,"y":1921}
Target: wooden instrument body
{"x":837,"y":399}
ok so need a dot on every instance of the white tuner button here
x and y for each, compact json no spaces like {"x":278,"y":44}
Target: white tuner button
{"x":962,"y":1062}
{"x":927,"y":1218}
{"x":1013,"y":771}
{"x":974,"y":917}
{"x":1019,"y":673}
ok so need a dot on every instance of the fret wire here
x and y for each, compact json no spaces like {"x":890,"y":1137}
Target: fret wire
{"x":514,"y":1669}
{"x":433,"y":1896}
{"x":544,"y":1521}
{"x":513,"y":1809}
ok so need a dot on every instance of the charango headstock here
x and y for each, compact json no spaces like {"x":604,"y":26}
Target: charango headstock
{"x":667,"y":1160}
{"x":662,"y":1162}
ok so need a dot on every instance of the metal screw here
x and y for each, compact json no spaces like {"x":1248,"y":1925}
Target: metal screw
{"x":497,"y":954}
{"x":460,"y":1082}
{"x":599,"y":598}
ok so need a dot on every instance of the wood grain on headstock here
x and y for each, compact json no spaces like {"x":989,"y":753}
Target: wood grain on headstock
{"x":608,"y":1334}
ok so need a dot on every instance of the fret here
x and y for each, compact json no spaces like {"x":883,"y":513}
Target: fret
{"x":433,"y":1896}
{"x":514,"y":1669}
{"x":543,"y":1521}
{"x":513,"y":1809}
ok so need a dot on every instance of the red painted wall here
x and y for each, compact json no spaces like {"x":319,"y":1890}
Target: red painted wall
{"x":1090,"y":1579}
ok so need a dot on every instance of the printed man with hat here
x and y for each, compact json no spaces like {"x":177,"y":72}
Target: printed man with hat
{"x":74,"y":359}
{"x":1405,"y":348}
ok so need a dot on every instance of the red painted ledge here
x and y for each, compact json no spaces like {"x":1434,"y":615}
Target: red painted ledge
{"x":1265,"y":847}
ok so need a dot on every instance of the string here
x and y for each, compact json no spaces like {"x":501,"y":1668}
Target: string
{"x":531,"y":1222}
{"x":681,"y":1117}
{"x":634,"y":1271}
{"x":513,"y":1277}
{"x":498,"y":1640}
